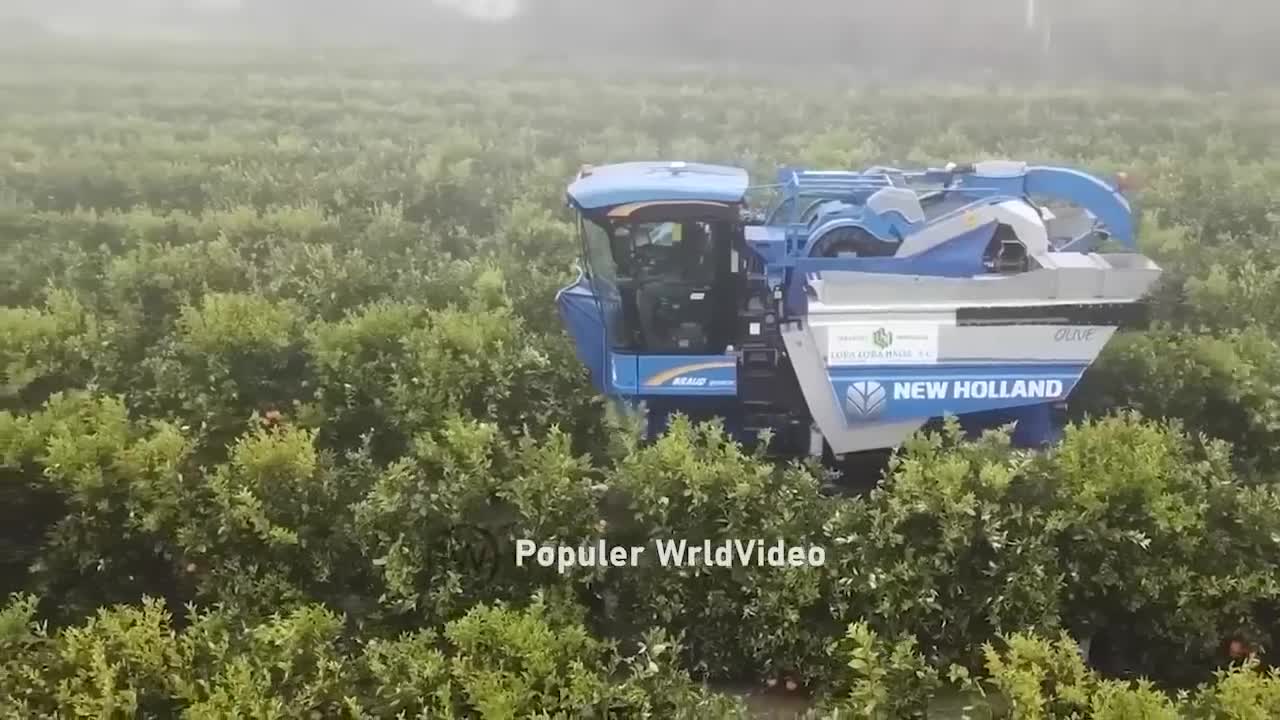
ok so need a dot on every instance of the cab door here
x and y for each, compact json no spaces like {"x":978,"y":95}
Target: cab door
{"x":615,"y":362}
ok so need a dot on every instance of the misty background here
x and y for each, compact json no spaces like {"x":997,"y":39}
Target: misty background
{"x":1191,"y":42}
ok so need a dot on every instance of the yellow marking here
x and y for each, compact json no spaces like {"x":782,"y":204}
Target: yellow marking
{"x":626,"y":210}
{"x":675,"y":372}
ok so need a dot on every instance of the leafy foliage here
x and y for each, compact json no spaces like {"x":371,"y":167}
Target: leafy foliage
{"x":495,"y":662}
{"x":282,"y":346}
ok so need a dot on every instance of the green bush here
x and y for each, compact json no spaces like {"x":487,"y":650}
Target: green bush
{"x":1242,"y":691}
{"x":693,"y":485}
{"x":273,"y":527}
{"x":42,"y":352}
{"x":1039,"y":679}
{"x":493,"y":663}
{"x":463,"y":491}
{"x":1222,"y":386}
{"x":1129,"y":532}
{"x":1033,"y":677}
{"x":1160,"y":547}
{"x":393,"y":371}
{"x":880,"y":680}
{"x":91,"y":499}
{"x":1027,"y":676}
{"x":231,"y":356}
{"x":955,"y":545}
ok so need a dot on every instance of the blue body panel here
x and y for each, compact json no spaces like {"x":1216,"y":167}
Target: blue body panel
{"x":657,"y":181}
{"x":631,"y":375}
{"x":697,"y":409}
{"x":880,"y":394}
{"x":961,"y":256}
{"x":1035,"y":424}
{"x":580,"y":313}
{"x":848,"y":191}
{"x":958,"y":257}
{"x":1105,"y":202}
{"x":674,"y":375}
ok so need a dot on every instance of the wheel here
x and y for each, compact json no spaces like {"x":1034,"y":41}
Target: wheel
{"x":856,"y":473}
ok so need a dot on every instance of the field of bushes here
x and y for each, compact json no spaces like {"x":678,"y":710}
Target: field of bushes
{"x":271,"y":331}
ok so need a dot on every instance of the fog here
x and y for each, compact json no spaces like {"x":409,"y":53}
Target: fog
{"x":491,"y":10}
{"x":1201,"y":42}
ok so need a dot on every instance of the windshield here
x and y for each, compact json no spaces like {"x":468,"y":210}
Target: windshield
{"x":676,"y":251}
{"x":665,"y":234}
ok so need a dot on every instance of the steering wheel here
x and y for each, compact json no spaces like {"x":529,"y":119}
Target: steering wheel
{"x":653,"y":258}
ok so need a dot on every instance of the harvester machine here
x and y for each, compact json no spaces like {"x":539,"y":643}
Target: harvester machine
{"x":851,"y":307}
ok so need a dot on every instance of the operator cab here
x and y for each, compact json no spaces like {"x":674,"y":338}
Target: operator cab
{"x":654,"y":311}
{"x":666,"y":268}
{"x":658,"y":241}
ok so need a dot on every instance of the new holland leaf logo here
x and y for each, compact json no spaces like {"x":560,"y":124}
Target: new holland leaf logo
{"x":865,"y":399}
{"x":882,"y":338}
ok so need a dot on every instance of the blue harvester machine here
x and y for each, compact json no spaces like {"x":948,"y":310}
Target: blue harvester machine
{"x":854,"y":307}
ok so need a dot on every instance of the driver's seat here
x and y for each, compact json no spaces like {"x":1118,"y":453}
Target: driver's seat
{"x":674,"y":316}
{"x":675,"y":304}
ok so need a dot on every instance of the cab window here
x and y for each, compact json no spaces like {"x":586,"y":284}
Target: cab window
{"x":601,"y":264}
{"x":677,"y":251}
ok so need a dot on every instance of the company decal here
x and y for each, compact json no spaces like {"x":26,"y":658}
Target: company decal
{"x":977,"y":389}
{"x":868,"y":400}
{"x":1075,"y":334}
{"x":699,"y":382}
{"x":888,"y":344}
{"x":865,"y":399}
{"x":682,"y":375}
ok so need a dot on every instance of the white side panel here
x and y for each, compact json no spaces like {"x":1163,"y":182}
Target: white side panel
{"x":811,"y":374}
{"x":881,"y":343}
{"x":1026,"y":222}
{"x":936,"y":234}
{"x":902,"y":200}
{"x":1063,"y":277}
{"x":1024,"y":219}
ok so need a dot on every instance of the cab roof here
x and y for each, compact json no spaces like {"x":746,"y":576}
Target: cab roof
{"x":608,"y":185}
